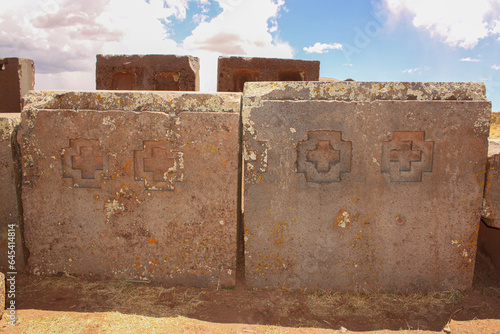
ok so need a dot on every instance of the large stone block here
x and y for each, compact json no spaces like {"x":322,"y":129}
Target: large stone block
{"x":356,"y":186}
{"x":131,"y":185}
{"x":488,"y":245}
{"x":17,"y":78}
{"x":147,"y":72}
{"x":233,"y":72}
{"x":491,"y":202}
{"x":11,"y":245}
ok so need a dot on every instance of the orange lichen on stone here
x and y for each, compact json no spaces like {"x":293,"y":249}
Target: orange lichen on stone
{"x":152,"y":241}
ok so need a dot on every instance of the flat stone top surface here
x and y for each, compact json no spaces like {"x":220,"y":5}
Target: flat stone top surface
{"x":265,"y":60}
{"x":165,"y":101}
{"x":363,"y":91}
{"x":11,"y":115}
{"x":125,"y":60}
{"x":142,"y":56}
{"x":16,"y":59}
{"x":494,"y":147}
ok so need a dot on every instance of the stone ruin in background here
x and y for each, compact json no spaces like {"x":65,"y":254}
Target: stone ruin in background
{"x":344,"y":185}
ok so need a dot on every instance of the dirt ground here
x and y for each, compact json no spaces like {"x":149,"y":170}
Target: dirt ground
{"x":73,"y":305}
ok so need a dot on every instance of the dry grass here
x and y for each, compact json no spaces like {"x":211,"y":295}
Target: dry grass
{"x":371,"y":307}
{"x":126,"y":307}
{"x":495,"y":126}
{"x":124,"y":297}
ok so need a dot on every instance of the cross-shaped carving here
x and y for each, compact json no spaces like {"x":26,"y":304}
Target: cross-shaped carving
{"x":89,"y":160}
{"x":158,"y":164}
{"x":323,"y":156}
{"x":405,"y":155}
{"x":85,"y":162}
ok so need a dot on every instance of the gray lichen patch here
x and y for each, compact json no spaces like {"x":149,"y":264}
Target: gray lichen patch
{"x":364,"y":91}
{"x":7,"y":127}
{"x":134,"y":101}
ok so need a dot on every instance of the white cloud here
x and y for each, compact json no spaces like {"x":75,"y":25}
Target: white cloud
{"x":243,"y":28}
{"x":411,"y":70}
{"x":469,"y":59}
{"x":457,"y":23}
{"x":348,"y":64}
{"x":495,"y":67}
{"x":322,"y":47}
{"x":63,"y":36}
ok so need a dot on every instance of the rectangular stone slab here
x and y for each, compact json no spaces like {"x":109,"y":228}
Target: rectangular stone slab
{"x":233,"y":72}
{"x":491,"y":201}
{"x":11,"y":244}
{"x":363,"y":186}
{"x":17,"y":78}
{"x":139,"y":186}
{"x":148,"y":72}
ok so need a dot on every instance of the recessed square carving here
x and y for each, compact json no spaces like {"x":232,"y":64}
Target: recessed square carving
{"x":291,"y":75}
{"x":124,"y":80}
{"x":324,"y":156}
{"x":167,"y":80}
{"x":243,"y":75}
{"x":158,"y":165}
{"x":85,"y":163}
{"x":407,"y":156}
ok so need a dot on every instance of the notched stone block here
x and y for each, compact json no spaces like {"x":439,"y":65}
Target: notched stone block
{"x":17,"y":78}
{"x":363,"y":185}
{"x":133,"y":185}
{"x":491,"y":202}
{"x":233,"y":72}
{"x":147,"y":72}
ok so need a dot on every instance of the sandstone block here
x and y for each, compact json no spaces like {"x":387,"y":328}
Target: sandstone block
{"x":363,"y":186}
{"x":17,"y":77}
{"x":11,"y":245}
{"x":233,"y":72}
{"x":131,"y":185}
{"x":2,"y":294}
{"x":489,"y":247}
{"x":147,"y":72}
{"x":491,"y":201}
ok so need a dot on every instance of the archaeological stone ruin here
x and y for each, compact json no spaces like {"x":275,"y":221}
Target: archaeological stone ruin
{"x":346,"y":184}
{"x":233,"y":72}
{"x":293,"y":183}
{"x":147,"y":72}
{"x":17,"y":77}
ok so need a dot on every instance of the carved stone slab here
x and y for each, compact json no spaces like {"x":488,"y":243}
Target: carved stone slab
{"x":11,"y":243}
{"x":145,"y":194}
{"x":356,"y":186}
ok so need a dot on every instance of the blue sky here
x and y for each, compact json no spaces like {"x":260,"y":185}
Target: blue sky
{"x":367,"y":40}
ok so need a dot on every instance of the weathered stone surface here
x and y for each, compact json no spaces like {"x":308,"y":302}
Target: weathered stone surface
{"x":488,"y":246}
{"x":147,"y":72}
{"x":233,"y":72}
{"x":356,"y":185}
{"x":2,"y":294}
{"x":10,"y":218}
{"x":491,"y":201}
{"x":128,"y":194}
{"x":17,"y":78}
